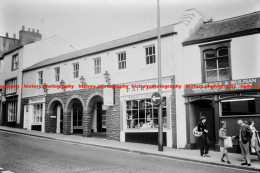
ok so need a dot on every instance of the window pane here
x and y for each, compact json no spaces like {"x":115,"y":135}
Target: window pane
{"x":209,"y":54}
{"x":223,"y":52}
{"x":212,"y":76}
{"x":211,"y":64}
{"x":224,"y":74}
{"x":223,"y":62}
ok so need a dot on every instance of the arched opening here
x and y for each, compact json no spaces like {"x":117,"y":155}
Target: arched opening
{"x":98,"y":116}
{"x":56,"y":116}
{"x":75,"y":108}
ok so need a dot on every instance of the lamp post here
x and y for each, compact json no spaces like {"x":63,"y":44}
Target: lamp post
{"x":62,"y":83}
{"x":160,"y":126}
{"x":107,"y":77}
{"x":82,"y":80}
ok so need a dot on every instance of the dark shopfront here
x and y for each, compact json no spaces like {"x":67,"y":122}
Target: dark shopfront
{"x":218,"y":105}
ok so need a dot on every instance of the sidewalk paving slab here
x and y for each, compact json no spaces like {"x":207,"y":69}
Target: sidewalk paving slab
{"x":179,"y":154}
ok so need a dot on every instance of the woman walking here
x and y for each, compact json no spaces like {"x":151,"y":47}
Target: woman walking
{"x":222,"y":137}
{"x":255,"y":141}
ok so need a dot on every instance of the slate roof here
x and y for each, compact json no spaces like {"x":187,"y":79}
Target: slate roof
{"x":151,"y":34}
{"x":227,"y":28}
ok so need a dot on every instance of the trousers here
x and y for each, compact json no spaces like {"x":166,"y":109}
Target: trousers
{"x":204,"y":144}
{"x":245,"y":151}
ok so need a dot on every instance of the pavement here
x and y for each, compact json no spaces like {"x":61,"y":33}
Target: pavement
{"x":145,"y":149}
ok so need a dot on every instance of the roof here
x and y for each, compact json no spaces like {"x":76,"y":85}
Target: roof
{"x":151,"y":34}
{"x":227,"y":28}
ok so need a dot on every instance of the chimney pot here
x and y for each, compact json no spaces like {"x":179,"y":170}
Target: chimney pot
{"x":38,"y":31}
{"x":6,"y":34}
{"x":33,"y":30}
{"x":29,"y":29}
{"x":14,"y":35}
{"x":23,"y":28}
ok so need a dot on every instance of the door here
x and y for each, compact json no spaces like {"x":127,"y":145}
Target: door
{"x":209,"y":114}
{"x":26,"y":117}
{"x":99,"y":116}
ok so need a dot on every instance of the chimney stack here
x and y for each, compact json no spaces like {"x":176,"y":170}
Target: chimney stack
{"x":14,"y":36}
{"x":27,"y":37}
{"x":6,"y":34}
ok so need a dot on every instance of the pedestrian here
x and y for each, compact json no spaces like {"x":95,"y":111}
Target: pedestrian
{"x":255,"y":141}
{"x":203,"y":139}
{"x":222,"y":137}
{"x":244,"y":136}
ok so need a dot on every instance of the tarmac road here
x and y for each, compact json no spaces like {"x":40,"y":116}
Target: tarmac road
{"x":27,"y":154}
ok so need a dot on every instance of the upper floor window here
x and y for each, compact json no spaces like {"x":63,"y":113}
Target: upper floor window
{"x":150,"y":54}
{"x":121,"y":60}
{"x":76,"y":70}
{"x":216,"y":62}
{"x":97,"y":65}
{"x":15,"y":62}
{"x":10,"y":90}
{"x":40,"y":77}
{"x":57,"y":74}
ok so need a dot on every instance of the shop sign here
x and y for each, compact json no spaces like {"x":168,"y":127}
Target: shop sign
{"x":222,"y":86}
{"x":109,"y":96}
{"x":37,"y":100}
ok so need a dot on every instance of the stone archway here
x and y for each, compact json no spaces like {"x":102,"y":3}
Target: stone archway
{"x":75,"y":109}
{"x":94,"y":120}
{"x":54,"y":117}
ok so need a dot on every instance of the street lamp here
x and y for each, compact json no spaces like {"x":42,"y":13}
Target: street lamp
{"x":107,"y":77}
{"x":62,"y":83}
{"x":82,"y":80}
{"x":45,"y":89}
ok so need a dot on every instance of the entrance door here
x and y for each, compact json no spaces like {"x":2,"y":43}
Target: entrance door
{"x":99,"y":116}
{"x":209,"y":114}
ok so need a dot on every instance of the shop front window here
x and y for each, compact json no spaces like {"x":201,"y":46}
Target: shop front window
{"x":142,"y":114}
{"x":37,"y":113}
{"x":244,"y":106}
{"x":12,"y":111}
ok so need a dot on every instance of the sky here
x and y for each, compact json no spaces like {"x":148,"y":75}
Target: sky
{"x":85,"y":23}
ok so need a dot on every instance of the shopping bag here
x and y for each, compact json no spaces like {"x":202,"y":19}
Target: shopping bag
{"x":228,"y":142}
{"x":253,"y":150}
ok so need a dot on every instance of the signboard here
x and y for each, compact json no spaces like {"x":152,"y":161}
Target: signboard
{"x":222,"y":86}
{"x":37,"y":100}
{"x":108,"y":94}
{"x":156,"y":98}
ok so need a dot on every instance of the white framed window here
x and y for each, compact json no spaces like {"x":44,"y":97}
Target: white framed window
{"x":57,"y":74}
{"x":97,"y":65}
{"x":150,"y":54}
{"x":75,"y":70}
{"x":40,"y":77}
{"x":121,"y":60}
{"x":10,"y":90}
{"x":37,"y":113}
{"x":12,"y":111}
{"x":15,"y":62}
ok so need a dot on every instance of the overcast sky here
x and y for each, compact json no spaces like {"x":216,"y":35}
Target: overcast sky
{"x":84,"y":23}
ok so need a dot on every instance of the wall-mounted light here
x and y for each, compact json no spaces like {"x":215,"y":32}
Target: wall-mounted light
{"x":107,"y":77}
{"x":62,"y":83}
{"x":82,"y":80}
{"x":45,"y":89}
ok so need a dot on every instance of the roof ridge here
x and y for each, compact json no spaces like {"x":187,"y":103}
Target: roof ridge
{"x":233,"y":17}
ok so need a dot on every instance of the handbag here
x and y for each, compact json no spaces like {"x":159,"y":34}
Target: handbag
{"x":228,"y":142}
{"x":196,"y":132}
{"x":253,"y":150}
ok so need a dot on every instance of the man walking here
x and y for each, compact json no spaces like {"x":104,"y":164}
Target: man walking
{"x":244,"y":136}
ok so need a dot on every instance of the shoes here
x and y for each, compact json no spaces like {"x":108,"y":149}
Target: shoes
{"x":203,"y":155}
{"x":222,"y":160}
{"x":228,"y":162}
{"x":207,"y":155}
{"x":248,"y":164}
{"x":244,"y":163}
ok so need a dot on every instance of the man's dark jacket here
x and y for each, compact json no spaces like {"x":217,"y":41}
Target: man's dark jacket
{"x":246,"y":134}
